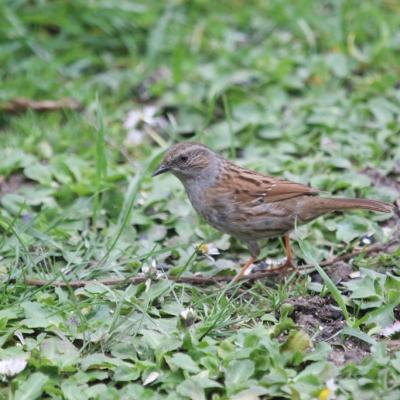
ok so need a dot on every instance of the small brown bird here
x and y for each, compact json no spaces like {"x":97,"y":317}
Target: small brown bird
{"x":246,"y":204}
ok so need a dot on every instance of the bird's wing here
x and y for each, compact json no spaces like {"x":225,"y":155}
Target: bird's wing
{"x":247,"y":186}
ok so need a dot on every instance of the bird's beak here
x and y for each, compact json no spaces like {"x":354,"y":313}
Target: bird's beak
{"x":160,"y":170}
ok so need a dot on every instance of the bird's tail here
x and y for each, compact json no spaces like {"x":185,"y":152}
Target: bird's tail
{"x":339,"y":204}
{"x":317,"y":206}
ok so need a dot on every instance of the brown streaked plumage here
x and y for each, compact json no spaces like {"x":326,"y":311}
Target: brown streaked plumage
{"x":246,"y":204}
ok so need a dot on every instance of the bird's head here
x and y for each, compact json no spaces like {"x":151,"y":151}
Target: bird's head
{"x":187,"y":160}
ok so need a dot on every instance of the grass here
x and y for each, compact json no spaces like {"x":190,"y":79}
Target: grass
{"x":305,"y":90}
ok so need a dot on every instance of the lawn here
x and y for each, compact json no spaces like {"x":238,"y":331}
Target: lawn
{"x":97,"y":258}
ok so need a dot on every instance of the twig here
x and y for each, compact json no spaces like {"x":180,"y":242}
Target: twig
{"x":22,"y":104}
{"x":203,"y":280}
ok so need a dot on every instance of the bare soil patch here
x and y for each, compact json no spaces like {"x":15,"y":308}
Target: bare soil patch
{"x":323,"y":321}
{"x":12,"y":183}
{"x":392,"y":181}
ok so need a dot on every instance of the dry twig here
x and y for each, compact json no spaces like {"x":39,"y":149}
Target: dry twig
{"x":23,"y":104}
{"x":203,"y":280}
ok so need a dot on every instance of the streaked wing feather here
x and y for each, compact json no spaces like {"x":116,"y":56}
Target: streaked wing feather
{"x":247,"y":186}
{"x":284,"y":190}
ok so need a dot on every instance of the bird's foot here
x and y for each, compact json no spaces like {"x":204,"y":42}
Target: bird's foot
{"x":285,"y":267}
{"x":282,"y":269}
{"x":243,"y":270}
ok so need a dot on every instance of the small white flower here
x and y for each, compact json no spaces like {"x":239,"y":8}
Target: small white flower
{"x":208,"y":250}
{"x":134,"y":137}
{"x":12,"y":366}
{"x":272,"y":263}
{"x":151,"y":378}
{"x":391,"y":329}
{"x":20,"y":337}
{"x":150,"y":271}
{"x":331,"y":386}
{"x":133,"y":120}
{"x":146,"y":114}
{"x":188,"y":316}
{"x":145,"y":269}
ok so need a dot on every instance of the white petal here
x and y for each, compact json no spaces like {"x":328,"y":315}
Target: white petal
{"x":12,"y":366}
{"x":132,"y":119}
{"x":151,"y":378}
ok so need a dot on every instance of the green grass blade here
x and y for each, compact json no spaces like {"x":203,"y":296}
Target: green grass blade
{"x":101,"y":159}
{"x":129,"y":200}
{"x":333,"y":290}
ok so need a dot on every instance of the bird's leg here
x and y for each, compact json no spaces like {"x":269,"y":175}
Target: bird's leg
{"x":254,"y":253}
{"x":289,"y":256}
{"x":289,"y":263}
{"x":243,"y":269}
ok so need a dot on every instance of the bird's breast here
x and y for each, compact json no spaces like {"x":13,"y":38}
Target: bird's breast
{"x":214,"y":210}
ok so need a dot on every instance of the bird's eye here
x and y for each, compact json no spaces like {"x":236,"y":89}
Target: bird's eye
{"x":183,"y":158}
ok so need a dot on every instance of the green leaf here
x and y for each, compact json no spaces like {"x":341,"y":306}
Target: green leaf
{"x":59,"y":352}
{"x":12,"y":159}
{"x":38,"y":316}
{"x":297,"y":341}
{"x":381,"y":316}
{"x":40,"y":173}
{"x":363,"y":288}
{"x":350,"y":228}
{"x":32,"y":388}
{"x":347,"y":330}
{"x":99,"y":360}
{"x":253,"y":393}
{"x":72,"y":390}
{"x":238,"y":372}
{"x":185,"y":362}
{"x":126,"y":373}
{"x":192,"y":389}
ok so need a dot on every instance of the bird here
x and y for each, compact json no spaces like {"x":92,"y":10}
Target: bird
{"x":248,"y":205}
